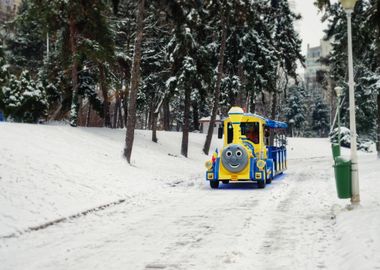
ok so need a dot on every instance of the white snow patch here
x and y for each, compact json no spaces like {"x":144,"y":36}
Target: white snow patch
{"x":170,"y":218}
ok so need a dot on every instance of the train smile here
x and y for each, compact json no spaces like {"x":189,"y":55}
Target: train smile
{"x":234,"y":165}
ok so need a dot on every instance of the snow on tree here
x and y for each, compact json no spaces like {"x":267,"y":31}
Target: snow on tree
{"x":321,"y":117}
{"x":365,"y":64}
{"x":24,"y":99}
{"x":295,"y":110}
{"x":4,"y":76}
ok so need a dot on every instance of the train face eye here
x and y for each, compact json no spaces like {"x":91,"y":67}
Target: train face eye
{"x":239,"y":153}
{"x":228,"y":153}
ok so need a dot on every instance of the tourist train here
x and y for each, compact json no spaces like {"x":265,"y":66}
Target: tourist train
{"x":254,"y":150}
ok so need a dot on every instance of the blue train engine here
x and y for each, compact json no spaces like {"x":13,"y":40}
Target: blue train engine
{"x":254,"y":150}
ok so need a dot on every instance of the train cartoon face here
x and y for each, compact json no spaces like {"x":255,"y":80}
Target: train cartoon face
{"x":254,"y":150}
{"x":234,"y":158}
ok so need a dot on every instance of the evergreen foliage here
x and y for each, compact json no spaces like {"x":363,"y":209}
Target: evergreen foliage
{"x":295,"y":111}
{"x":321,"y":118}
{"x":365,"y":53}
{"x":24,"y":99}
{"x":91,"y":50}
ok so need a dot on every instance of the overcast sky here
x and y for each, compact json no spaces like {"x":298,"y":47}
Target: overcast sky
{"x":310,"y":26}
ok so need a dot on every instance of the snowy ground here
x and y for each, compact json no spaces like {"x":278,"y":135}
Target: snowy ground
{"x":69,"y":201}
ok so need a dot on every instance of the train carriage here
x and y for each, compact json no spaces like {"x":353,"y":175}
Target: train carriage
{"x":254,"y":150}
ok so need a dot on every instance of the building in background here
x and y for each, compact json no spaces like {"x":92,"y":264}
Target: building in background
{"x":204,"y":123}
{"x":316,"y":80}
{"x":8,"y":9}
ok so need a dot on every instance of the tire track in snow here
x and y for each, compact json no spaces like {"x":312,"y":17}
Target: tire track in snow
{"x":293,"y":222}
{"x":63,"y":219}
{"x":193,"y":228}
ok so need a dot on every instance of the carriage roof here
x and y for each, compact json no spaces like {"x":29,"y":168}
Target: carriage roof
{"x":268,"y":122}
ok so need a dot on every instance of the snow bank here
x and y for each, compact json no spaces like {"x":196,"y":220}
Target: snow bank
{"x":51,"y":172}
{"x":357,"y":243}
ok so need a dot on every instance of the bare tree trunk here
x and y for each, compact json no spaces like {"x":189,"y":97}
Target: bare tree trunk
{"x":120,"y":119}
{"x":378,"y":60}
{"x":135,"y":78}
{"x":206,"y":147}
{"x":274,"y":104}
{"x":240,"y":95}
{"x":154,"y":128}
{"x":166,"y":110}
{"x":106,"y":104}
{"x":186,"y":123}
{"x":75,"y":101}
{"x":116,"y":115}
{"x":154,"y":120}
{"x":125,"y":104}
{"x":151,"y":112}
{"x":253,"y":103}
{"x":378,"y":126}
{"x":88,"y":114}
{"x":146,"y":120}
{"x":195,"y":115}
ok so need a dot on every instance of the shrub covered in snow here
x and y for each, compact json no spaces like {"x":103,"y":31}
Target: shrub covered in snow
{"x":345,"y":139}
{"x":24,"y":99}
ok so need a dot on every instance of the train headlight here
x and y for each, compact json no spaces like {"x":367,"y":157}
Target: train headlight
{"x":208,"y":165}
{"x":260,"y":164}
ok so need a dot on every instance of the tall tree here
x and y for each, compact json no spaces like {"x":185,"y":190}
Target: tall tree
{"x":295,"y":110}
{"x":287,"y":45}
{"x":135,"y":78}
{"x":183,"y":50}
{"x":320,"y":118}
{"x":366,"y":39}
{"x":224,"y":25}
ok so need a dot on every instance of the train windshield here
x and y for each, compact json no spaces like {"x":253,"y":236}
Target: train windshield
{"x":251,"y":130}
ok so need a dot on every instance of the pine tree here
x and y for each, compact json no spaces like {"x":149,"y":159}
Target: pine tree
{"x":24,"y":99}
{"x":295,"y":110}
{"x":365,"y":51}
{"x":155,"y":67}
{"x":321,"y":118}
{"x":287,"y":45}
{"x":4,"y":76}
{"x":366,"y":20}
{"x":26,"y":40}
{"x":83,"y":27}
{"x":183,"y":50}
{"x":223,"y":39}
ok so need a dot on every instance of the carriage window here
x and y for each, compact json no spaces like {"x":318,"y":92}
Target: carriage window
{"x":251,"y":131}
{"x":230,"y":133}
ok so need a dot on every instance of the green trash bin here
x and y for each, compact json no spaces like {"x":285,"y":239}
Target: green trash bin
{"x":342,"y":170}
{"x":335,"y":147}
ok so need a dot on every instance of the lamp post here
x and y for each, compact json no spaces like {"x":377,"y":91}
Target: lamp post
{"x":349,"y":5}
{"x":339,"y":92}
{"x":291,"y":122}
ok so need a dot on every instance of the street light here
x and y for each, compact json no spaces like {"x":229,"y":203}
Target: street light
{"x":349,"y":5}
{"x":339,"y":93}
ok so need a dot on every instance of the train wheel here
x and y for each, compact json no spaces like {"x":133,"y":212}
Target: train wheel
{"x":214,"y":184}
{"x":263,"y":183}
{"x":269,"y":180}
{"x":225,"y":182}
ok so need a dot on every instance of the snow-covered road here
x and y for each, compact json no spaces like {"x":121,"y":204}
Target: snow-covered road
{"x":287,"y":225}
{"x":170,"y":218}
